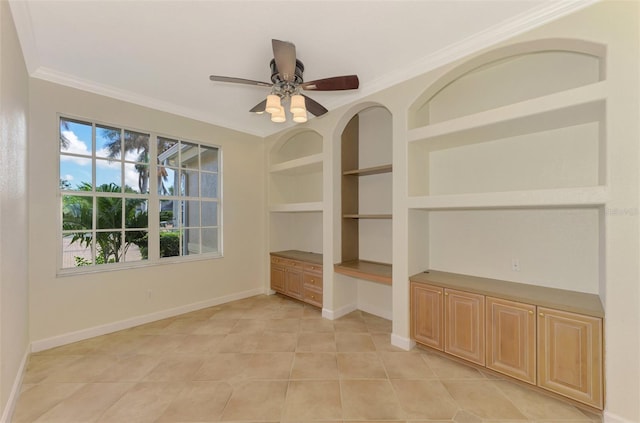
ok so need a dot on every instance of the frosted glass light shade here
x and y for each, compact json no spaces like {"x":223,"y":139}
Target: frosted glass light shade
{"x":273,"y":104}
{"x":297,"y":104}
{"x":279,"y":116}
{"x":300,"y":117}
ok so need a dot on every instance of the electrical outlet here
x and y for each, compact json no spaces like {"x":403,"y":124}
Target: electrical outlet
{"x":515,"y":265}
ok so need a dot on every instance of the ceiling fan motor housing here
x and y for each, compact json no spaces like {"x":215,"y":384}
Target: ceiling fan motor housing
{"x":275,"y":73}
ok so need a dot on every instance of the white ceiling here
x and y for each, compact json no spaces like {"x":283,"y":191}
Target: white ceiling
{"x":160,"y":53}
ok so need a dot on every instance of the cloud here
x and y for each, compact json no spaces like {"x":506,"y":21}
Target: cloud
{"x":68,"y":177}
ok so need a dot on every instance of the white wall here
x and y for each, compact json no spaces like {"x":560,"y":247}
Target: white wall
{"x":14,"y":339}
{"x":60,"y":306}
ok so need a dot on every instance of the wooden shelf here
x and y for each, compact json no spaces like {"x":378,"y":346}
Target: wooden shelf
{"x":366,"y":216}
{"x":572,"y":107}
{"x":306,"y":256}
{"x":367,"y":270}
{"x":296,"y":207}
{"x":375,"y":170}
{"x":561,"y":197}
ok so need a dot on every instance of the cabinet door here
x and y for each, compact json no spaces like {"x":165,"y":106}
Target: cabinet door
{"x":570,"y":355}
{"x":426,"y":315}
{"x":511,"y":338}
{"x":293,"y":282}
{"x":277,"y":278}
{"x":464,"y":325}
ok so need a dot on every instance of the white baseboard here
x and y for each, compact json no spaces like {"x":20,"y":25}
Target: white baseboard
{"x":402,"y":342}
{"x":613,"y":418}
{"x":80,"y":335}
{"x":336,"y":314}
{"x":10,"y":406}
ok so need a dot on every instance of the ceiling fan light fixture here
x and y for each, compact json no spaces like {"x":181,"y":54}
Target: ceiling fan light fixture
{"x":273,"y":104}
{"x":279,"y":116}
{"x":300,"y":117}
{"x":298,"y":104}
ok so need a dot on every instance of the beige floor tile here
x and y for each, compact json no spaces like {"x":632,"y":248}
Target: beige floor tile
{"x":86,"y":369}
{"x":200,"y":344}
{"x":316,"y":325}
{"x":311,"y":312}
{"x":223,"y":366}
{"x":282,"y":325}
{"x":352,"y":325}
{"x":175,"y":368}
{"x":269,"y":365}
{"x":406,"y":365}
{"x":129,"y":368}
{"x":35,"y":400}
{"x":446,"y":368}
{"x":143,"y":403}
{"x":216,"y":327}
{"x":277,"y":342}
{"x":256,"y":400}
{"x":184,"y":326}
{"x":313,"y":400}
{"x":378,"y":325}
{"x":161,"y":344}
{"x":537,"y":406}
{"x":228,"y":313}
{"x":422,"y":399}
{"x":86,"y":404}
{"x":40,"y":367}
{"x":360,"y":365}
{"x":238,"y":342}
{"x":316,"y":342}
{"x":354,"y":342}
{"x":198,"y":401}
{"x":314,"y":366}
{"x":249,"y":327}
{"x":286,"y":313}
{"x":482,"y":399}
{"x":369,"y":399}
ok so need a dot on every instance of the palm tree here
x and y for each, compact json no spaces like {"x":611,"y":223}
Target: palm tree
{"x":110,"y":246}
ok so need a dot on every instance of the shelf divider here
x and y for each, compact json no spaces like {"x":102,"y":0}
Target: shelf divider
{"x":369,"y":171}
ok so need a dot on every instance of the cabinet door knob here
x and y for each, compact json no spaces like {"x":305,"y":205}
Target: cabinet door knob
{"x":530,"y":312}
{"x":541,"y":314}
{"x":446,"y":294}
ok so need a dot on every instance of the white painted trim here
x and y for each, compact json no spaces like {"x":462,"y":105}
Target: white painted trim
{"x":402,"y":342}
{"x":336,"y":314}
{"x":613,"y":418}
{"x":10,"y":406}
{"x":24,"y":27}
{"x":68,"y":338}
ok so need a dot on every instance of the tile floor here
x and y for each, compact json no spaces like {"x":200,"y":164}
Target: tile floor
{"x":268,"y":358}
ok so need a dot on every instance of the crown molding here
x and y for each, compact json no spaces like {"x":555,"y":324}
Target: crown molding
{"x":24,"y":27}
{"x":72,"y":81}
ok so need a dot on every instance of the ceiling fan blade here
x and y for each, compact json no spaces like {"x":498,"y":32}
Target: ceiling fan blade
{"x":284,"y":54}
{"x":217,"y":78}
{"x":314,"y":107}
{"x":347,"y":82}
{"x":259,"y":108}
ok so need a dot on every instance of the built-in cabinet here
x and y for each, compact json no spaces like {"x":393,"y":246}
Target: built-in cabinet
{"x":493,"y":323}
{"x":297,"y":274}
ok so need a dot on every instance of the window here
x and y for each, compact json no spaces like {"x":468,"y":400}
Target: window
{"x":118,"y":208}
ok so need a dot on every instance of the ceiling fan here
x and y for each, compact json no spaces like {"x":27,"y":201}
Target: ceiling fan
{"x":286,"y":83}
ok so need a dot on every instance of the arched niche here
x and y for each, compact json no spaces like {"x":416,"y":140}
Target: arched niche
{"x":296,"y":145}
{"x":509,"y":75}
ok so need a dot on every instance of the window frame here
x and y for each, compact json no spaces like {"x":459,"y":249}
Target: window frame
{"x":153,"y":201}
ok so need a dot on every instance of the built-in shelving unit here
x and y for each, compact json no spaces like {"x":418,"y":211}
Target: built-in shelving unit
{"x":501,"y":149}
{"x":295,"y":194}
{"x":366,"y":197}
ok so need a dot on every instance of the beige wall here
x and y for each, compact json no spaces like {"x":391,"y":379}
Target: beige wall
{"x":60,"y":306}
{"x":14,"y":340}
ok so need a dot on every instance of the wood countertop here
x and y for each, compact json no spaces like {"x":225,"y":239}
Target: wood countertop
{"x":560,"y":299}
{"x":305,"y":256}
